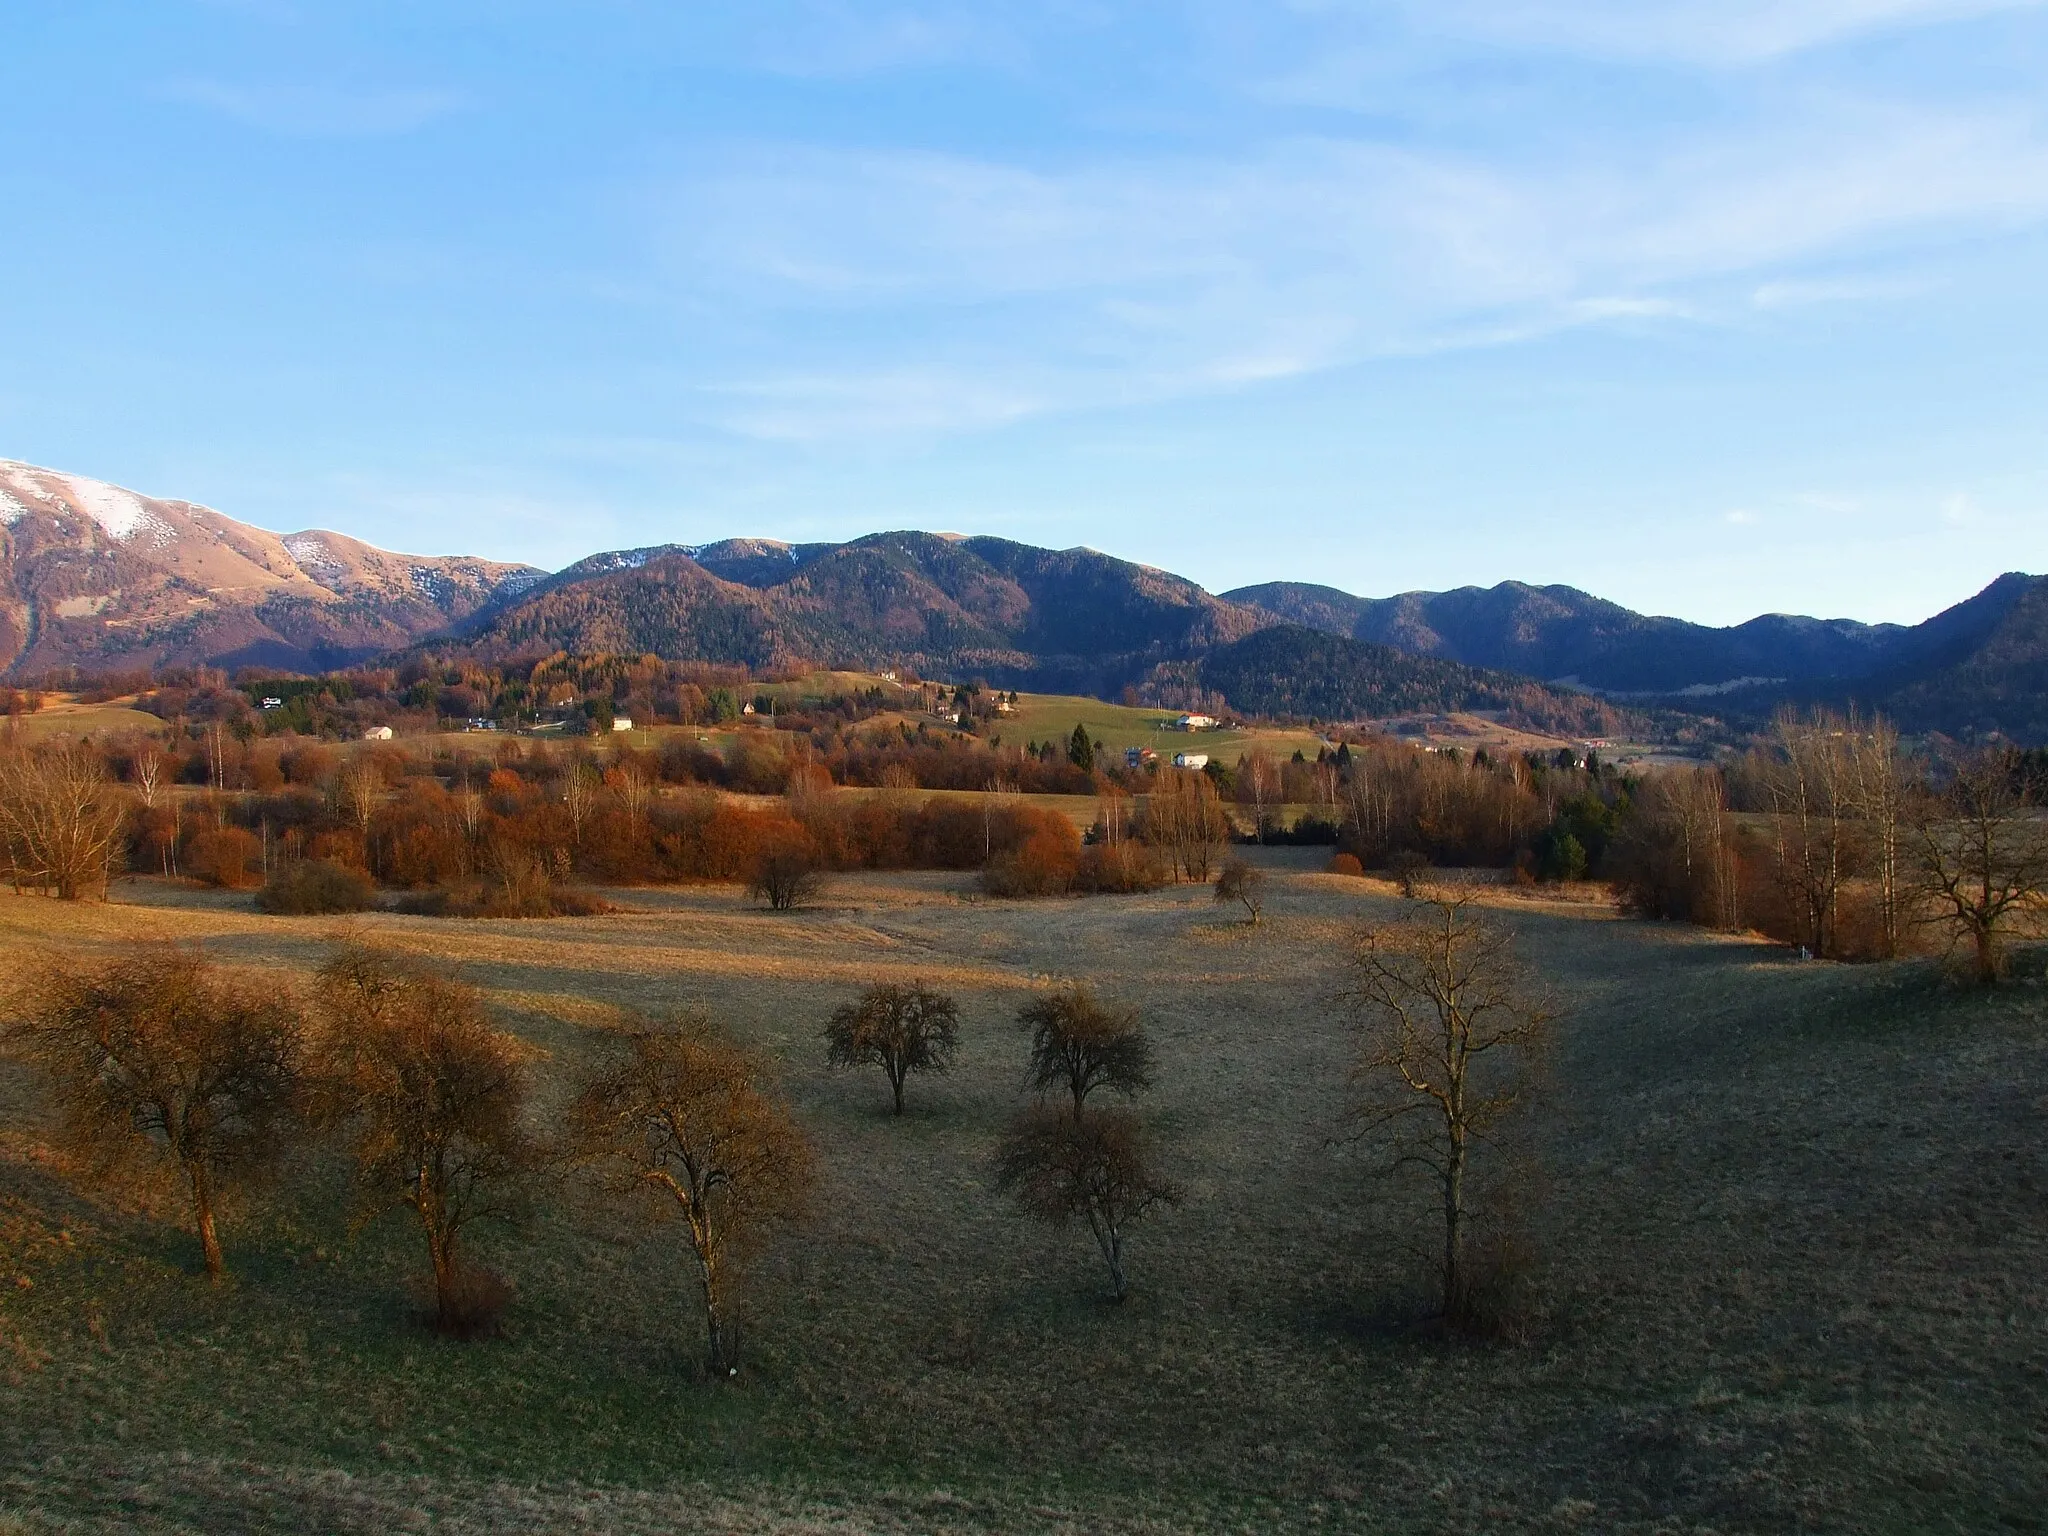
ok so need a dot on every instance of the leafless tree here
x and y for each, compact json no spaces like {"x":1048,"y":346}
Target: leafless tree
{"x":434,"y":1099}
{"x":1812,"y":790}
{"x":149,"y":764}
{"x":360,"y":788}
{"x":634,"y":790}
{"x":1878,"y":790}
{"x":579,"y":797}
{"x":1983,"y":858}
{"x":785,"y":876}
{"x":61,"y":817}
{"x":684,"y":1120}
{"x":158,"y":1053}
{"x":1245,"y":884}
{"x":1258,"y":786}
{"x":1096,"y":1168}
{"x":897,"y":1028}
{"x":1080,"y":1043}
{"x":1184,"y":818}
{"x":1448,"y":1022}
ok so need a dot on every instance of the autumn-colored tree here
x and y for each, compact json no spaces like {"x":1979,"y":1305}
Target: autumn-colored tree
{"x":684,"y":1121}
{"x":434,"y":1099}
{"x":897,"y":1028}
{"x":1448,"y":1024}
{"x":1097,"y":1168}
{"x":1080,"y":1043}
{"x":1983,"y":858}
{"x":1245,"y":884}
{"x":158,"y":1053}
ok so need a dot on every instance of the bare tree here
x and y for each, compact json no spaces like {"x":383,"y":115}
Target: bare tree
{"x":1258,"y":786}
{"x":684,"y":1119}
{"x":1080,"y":1043}
{"x":149,"y":771}
{"x":435,"y":1099}
{"x":1878,"y":785}
{"x":1983,"y":858}
{"x":899,"y":1029}
{"x":1098,"y":1169}
{"x":157,"y":1053}
{"x":61,"y":817}
{"x":1245,"y":884}
{"x":1185,"y":819}
{"x":360,"y":787}
{"x":785,"y":876}
{"x":631,"y":785}
{"x":1812,"y":800}
{"x":579,"y":797}
{"x":1448,"y":1021}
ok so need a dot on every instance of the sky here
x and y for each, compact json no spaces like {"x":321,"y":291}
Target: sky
{"x":1711,"y":307}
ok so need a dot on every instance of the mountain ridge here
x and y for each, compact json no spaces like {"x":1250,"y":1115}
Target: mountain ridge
{"x":94,"y":575}
{"x":99,"y":578}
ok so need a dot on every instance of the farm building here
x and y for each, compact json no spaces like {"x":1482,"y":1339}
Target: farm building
{"x":1190,"y":759}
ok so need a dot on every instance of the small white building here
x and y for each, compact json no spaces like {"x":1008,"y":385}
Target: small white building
{"x":377,"y":733}
{"x":1190,"y":759}
{"x":1195,"y":723}
{"x":622,"y":722}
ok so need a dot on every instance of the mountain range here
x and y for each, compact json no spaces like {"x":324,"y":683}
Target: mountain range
{"x":99,"y":578}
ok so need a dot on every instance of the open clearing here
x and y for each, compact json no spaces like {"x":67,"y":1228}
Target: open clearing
{"x":1794,"y":1222}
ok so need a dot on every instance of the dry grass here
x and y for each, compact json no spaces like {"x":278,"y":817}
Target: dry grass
{"x":1794,"y":1218}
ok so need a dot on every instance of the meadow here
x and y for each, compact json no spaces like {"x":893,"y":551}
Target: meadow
{"x":1789,"y":1227}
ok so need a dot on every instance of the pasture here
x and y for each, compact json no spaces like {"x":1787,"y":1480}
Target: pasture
{"x":1790,"y":1225}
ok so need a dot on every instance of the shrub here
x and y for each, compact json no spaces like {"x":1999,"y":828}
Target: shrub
{"x":1406,"y":867}
{"x":1344,"y":864}
{"x":306,"y":887}
{"x":1044,"y":865}
{"x":223,"y":857}
{"x":1126,"y":868}
{"x":785,"y":876}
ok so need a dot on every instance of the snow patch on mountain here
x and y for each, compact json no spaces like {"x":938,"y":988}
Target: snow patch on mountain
{"x":121,"y":513}
{"x":310,"y":553}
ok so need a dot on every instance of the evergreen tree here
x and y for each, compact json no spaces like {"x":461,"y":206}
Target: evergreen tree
{"x":1081,"y":751}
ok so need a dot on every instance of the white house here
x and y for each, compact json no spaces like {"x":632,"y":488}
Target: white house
{"x":1190,"y":759}
{"x":1195,"y":723}
{"x":377,"y":733}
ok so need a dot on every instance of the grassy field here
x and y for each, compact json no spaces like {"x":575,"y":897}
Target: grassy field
{"x":1053,"y":716}
{"x":63,"y":715}
{"x":1793,"y":1222}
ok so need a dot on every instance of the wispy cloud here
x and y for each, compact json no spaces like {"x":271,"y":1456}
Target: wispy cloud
{"x":1720,"y":32}
{"x":317,"y":111}
{"x":1141,"y":278}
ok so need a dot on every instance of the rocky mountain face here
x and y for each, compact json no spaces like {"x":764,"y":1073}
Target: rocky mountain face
{"x":104,"y":579}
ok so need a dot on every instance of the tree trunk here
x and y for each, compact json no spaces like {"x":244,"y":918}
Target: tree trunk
{"x":896,"y":1086}
{"x":1454,"y":1228}
{"x":202,"y":1220}
{"x":1987,"y":954}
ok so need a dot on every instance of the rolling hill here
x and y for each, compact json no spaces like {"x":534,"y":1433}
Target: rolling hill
{"x":1065,"y":620}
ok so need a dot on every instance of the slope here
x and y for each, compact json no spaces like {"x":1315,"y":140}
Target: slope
{"x":99,"y":577}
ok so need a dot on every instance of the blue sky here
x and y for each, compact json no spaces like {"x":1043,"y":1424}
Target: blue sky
{"x":1713,"y":307}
